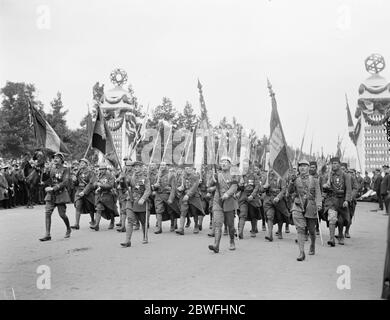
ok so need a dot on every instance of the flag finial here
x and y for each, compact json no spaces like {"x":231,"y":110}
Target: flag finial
{"x":269,"y":85}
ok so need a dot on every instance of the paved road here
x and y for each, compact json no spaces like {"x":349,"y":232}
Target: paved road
{"x":92,"y":265}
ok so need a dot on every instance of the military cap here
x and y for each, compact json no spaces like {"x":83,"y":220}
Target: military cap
{"x":335,"y":159}
{"x":128,"y":162}
{"x":137,"y":163}
{"x":313,"y":163}
{"x":303,"y":162}
{"x":344,"y":164}
{"x":102,"y":165}
{"x":226,"y":158}
{"x":60,"y":155}
{"x":85,"y":160}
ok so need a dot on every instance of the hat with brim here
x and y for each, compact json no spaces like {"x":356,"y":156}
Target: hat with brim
{"x":60,"y":155}
{"x":102,"y":166}
{"x":226,"y":158}
{"x":335,"y":159}
{"x":85,"y":161}
{"x":303,"y":162}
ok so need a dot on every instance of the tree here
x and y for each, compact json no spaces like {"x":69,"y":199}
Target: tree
{"x":16,"y":131}
{"x":164,"y":111}
{"x":56,"y":118}
{"x":187,"y":119}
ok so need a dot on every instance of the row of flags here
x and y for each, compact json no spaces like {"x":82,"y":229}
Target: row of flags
{"x":274,"y":155}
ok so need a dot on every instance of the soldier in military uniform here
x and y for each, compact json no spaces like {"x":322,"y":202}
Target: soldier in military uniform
{"x":165,"y":201}
{"x":57,"y":194}
{"x":136,"y":202}
{"x":204,"y":195}
{"x":104,"y":198}
{"x":307,"y":200}
{"x":248,"y":202}
{"x":339,"y":190}
{"x":84,"y":200}
{"x":225,"y":204}
{"x":275,"y":205}
{"x":3,"y":187}
{"x":123,"y":192}
{"x":189,"y":198}
{"x":352,"y":204}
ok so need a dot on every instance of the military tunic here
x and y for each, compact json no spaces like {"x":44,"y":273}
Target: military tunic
{"x":85,"y":183}
{"x":338,"y":191}
{"x":165,"y":201}
{"x":276,"y":211}
{"x":58,"y":180}
{"x":249,"y":187}
{"x":306,"y":194}
{"x":104,"y":196}
{"x":190,"y":184}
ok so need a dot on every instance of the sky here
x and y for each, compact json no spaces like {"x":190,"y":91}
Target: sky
{"x":313,"y":53}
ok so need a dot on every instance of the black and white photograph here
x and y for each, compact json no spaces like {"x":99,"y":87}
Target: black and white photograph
{"x":194,"y":151}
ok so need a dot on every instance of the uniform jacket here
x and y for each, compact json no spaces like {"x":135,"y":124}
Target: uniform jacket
{"x":228,"y":185}
{"x":104,"y":194}
{"x":249,"y":185}
{"x":276,"y":187}
{"x":85,"y":179}
{"x":385,"y":184}
{"x":166,"y":184}
{"x":3,"y":187}
{"x":306,"y":194}
{"x":340,"y":185}
{"x":139,"y":189}
{"x":58,"y":180}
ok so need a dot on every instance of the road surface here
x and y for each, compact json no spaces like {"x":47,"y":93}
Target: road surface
{"x":92,"y":265}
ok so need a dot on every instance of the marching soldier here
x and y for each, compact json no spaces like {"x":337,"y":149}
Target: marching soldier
{"x":275,"y":206}
{"x":123,"y":193}
{"x":313,"y":171}
{"x":3,"y":187}
{"x":338,"y":188}
{"x":224,"y":205}
{"x":204,"y":195}
{"x":136,"y":202}
{"x":306,"y":193}
{"x":352,"y":204}
{"x":189,"y":198}
{"x":249,"y":202}
{"x":57,"y":194}
{"x":104,"y":198}
{"x":83,"y":182}
{"x":165,"y":202}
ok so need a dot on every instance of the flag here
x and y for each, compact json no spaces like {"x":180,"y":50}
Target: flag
{"x":351,"y":128}
{"x":278,"y":148}
{"x":102,"y":139}
{"x":44,"y":133}
{"x":89,"y":125}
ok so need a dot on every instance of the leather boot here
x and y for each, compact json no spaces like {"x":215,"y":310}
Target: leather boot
{"x":241,"y":224}
{"x":301,"y":245}
{"x":47,"y":237}
{"x":332,"y":229}
{"x":312,"y":244}
{"x":270,"y":227}
{"x":122,"y":224}
{"x":97,"y":221}
{"x":181,"y":227}
{"x":76,"y":226}
{"x":129,"y":232}
{"x":215,"y":247}
{"x":232,"y":245}
{"x":347,"y":232}
{"x":196,"y":227}
{"x":287,"y":230}
{"x":188,"y":222}
{"x":112,"y":224}
{"x":280,"y":226}
{"x":159,"y":224}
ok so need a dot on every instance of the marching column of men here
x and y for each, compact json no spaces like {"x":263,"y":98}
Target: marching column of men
{"x":304,"y":195}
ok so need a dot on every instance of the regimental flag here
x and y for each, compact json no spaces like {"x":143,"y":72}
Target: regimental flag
{"x":278,"y":148}
{"x":102,"y":139}
{"x":353,"y":131}
{"x":89,"y":123}
{"x":45,"y":135}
